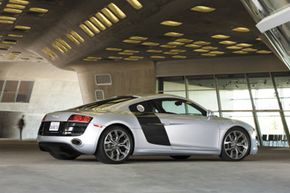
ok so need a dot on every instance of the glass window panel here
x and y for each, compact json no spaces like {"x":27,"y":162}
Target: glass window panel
{"x":263,"y":93}
{"x":271,"y":129}
{"x":202,"y":90}
{"x":283,"y":87}
{"x":9,"y":93}
{"x":176,"y":93}
{"x":242,"y":116}
{"x":173,"y":84}
{"x":1,"y":87}
{"x":24,"y":92}
{"x":287,"y":117}
{"x":234,"y":93}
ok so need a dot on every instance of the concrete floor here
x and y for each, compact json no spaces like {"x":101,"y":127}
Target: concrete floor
{"x":24,"y":169}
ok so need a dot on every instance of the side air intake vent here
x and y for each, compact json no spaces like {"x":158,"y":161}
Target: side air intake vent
{"x":103,"y":79}
{"x":99,"y":95}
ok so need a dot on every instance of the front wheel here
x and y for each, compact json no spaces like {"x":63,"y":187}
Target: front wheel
{"x":115,"y":145}
{"x":236,"y":145}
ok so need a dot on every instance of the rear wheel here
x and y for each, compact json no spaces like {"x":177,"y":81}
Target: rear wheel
{"x":63,"y":156}
{"x":180,"y":157}
{"x":115,"y":145}
{"x":236,"y":145}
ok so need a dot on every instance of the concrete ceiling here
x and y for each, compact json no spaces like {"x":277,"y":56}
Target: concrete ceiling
{"x":48,"y":39}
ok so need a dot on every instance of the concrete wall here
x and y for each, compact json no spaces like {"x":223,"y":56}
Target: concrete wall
{"x":222,"y":65}
{"x":128,"y":78}
{"x":53,"y":90}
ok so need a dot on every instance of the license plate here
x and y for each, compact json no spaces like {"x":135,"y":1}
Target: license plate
{"x":54,"y":126}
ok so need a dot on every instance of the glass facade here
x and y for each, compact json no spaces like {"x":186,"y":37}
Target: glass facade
{"x":261,"y":100}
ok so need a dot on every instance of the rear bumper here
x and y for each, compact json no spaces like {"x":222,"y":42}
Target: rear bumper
{"x":58,"y":148}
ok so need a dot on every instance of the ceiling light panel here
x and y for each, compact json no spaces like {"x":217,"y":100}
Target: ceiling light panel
{"x":192,"y":46}
{"x":11,"y":10}
{"x":2,"y":17}
{"x":20,"y":2}
{"x":87,"y":30}
{"x":114,"y":49}
{"x":135,"y":4}
{"x":263,"y":52}
{"x":131,"y":41}
{"x":92,"y":27}
{"x":179,"y":57}
{"x":98,"y":24}
{"x":241,"y":29}
{"x":184,"y":40}
{"x":22,"y":27}
{"x":38,"y":10}
{"x":111,"y":16}
{"x":171,"y":23}
{"x":154,"y":51}
{"x":244,"y":45}
{"x":173,"y":34}
{"x":201,"y":50}
{"x":157,"y":57}
{"x":240,"y":52}
{"x":202,"y":9}
{"x":150,"y":44}
{"x":15,"y":6}
{"x":234,"y":47}
{"x":116,"y":10}
{"x":138,"y":38}
{"x":103,"y":19}
{"x":6,"y":21}
{"x":220,"y":36}
{"x":202,"y":43}
{"x":227,"y":42}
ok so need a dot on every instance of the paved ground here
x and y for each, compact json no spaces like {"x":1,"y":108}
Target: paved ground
{"x":24,"y":169}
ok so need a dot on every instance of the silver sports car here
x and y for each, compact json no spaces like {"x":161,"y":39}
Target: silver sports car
{"x":116,"y":128}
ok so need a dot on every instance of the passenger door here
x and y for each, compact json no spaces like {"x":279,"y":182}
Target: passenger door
{"x":187,"y":125}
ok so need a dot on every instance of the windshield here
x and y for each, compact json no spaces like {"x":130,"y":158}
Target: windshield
{"x":105,"y":103}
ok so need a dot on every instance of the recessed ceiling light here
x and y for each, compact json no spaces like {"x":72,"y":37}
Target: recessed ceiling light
{"x":173,"y":34}
{"x":15,"y":6}
{"x":6,"y":21}
{"x":21,"y":2}
{"x":175,"y":43}
{"x":227,"y":42}
{"x":208,"y":54}
{"x":244,"y":45}
{"x":92,"y":27}
{"x":92,"y":59}
{"x":110,"y":15}
{"x":114,"y":49}
{"x":77,"y":36}
{"x":201,"y":43}
{"x":138,"y":38}
{"x":15,"y":35}
{"x":240,"y":52}
{"x":22,"y":27}
{"x":64,"y":43}
{"x":131,"y":51}
{"x":203,"y":9}
{"x":171,"y":53}
{"x":51,"y":54}
{"x":184,"y":40}
{"x":216,"y":52}
{"x":115,"y":57}
{"x":171,"y":23}
{"x":258,"y":39}
{"x":157,"y":57}
{"x":241,"y":29}
{"x":2,"y":17}
{"x":9,"y":42}
{"x":179,"y":57}
{"x":150,"y":44}
{"x":126,"y":53}
{"x":58,"y":48}
{"x":38,"y":10}
{"x":234,"y":47}
{"x":177,"y":50}
{"x":209,"y":48}
{"x":135,"y":4}
{"x":97,"y":23}
{"x":220,"y":36}
{"x":11,"y":10}
{"x":136,"y":57}
{"x":131,"y":41}
{"x":103,"y":19}
{"x":249,"y":49}
{"x":154,"y":51}
{"x":168,"y":46}
{"x":117,"y":11}
{"x":131,"y":59}
{"x":87,"y":30}
{"x":192,"y":46}
{"x":263,"y":52}
{"x":201,"y":50}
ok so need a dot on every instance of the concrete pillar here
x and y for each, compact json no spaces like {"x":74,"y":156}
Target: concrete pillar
{"x":128,"y":78}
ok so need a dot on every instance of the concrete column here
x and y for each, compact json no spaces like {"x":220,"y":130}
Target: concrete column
{"x":128,"y":78}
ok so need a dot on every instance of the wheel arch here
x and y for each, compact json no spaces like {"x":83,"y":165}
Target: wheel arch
{"x":120,"y":125}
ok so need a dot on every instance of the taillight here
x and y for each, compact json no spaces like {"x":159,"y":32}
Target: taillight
{"x":80,"y":118}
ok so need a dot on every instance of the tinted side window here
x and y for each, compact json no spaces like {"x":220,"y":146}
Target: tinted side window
{"x":180,"y":107}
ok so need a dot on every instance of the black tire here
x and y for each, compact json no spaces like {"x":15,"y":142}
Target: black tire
{"x":108,"y":156}
{"x":230,"y":151}
{"x":63,"y":156}
{"x":180,"y":157}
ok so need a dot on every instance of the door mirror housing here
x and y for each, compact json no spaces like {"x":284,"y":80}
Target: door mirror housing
{"x":209,"y":113}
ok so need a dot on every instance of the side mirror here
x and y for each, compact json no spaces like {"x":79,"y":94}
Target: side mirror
{"x":209,"y":113}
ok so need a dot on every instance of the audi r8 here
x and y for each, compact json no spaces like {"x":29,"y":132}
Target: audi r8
{"x":118,"y":127}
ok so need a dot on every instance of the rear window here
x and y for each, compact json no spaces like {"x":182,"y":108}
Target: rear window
{"x":105,"y":103}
